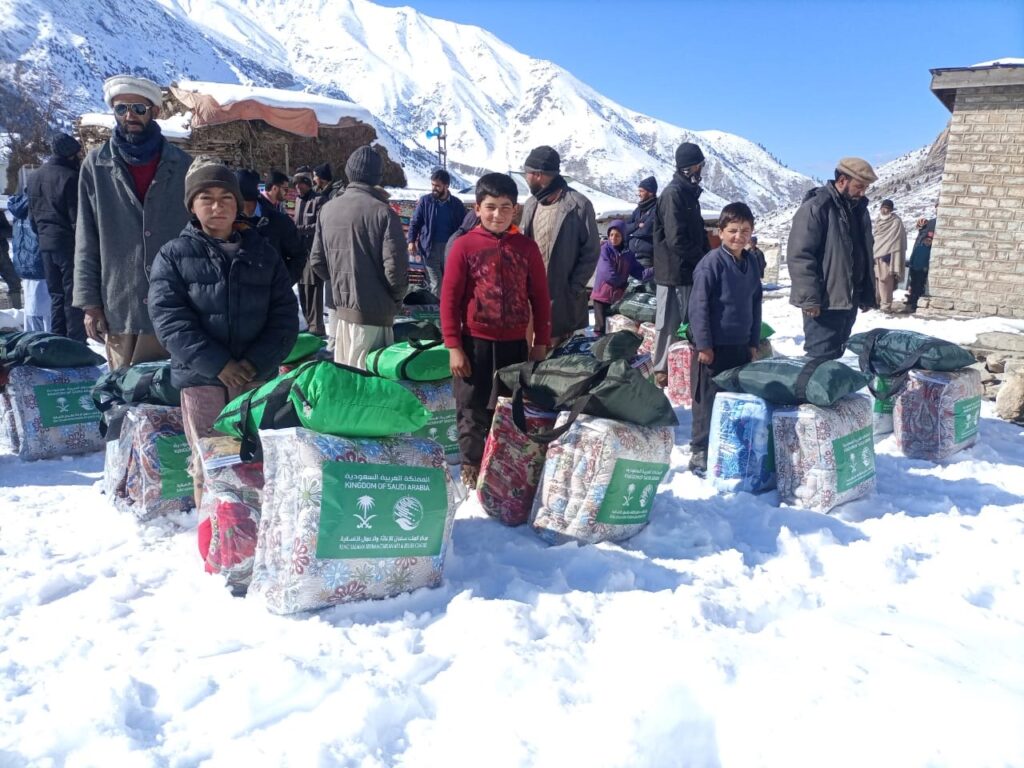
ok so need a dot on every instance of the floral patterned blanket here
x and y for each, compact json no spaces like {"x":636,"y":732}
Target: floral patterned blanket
{"x":349,"y":519}
{"x":937,"y":413}
{"x":49,"y":412}
{"x":621,"y":323}
{"x":680,"y":355}
{"x":599,"y":480}
{"x":741,"y":452}
{"x":824,"y":457}
{"x":438,"y":398}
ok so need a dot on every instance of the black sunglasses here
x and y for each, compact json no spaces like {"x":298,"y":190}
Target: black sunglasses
{"x":139,"y":109}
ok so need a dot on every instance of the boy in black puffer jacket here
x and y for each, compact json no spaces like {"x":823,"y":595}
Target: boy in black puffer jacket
{"x":221,"y":302}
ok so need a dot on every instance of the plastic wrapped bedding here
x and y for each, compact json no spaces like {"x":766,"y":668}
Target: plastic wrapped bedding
{"x":438,"y":398}
{"x":621,"y":323}
{"x":824,"y":456}
{"x":937,"y":413}
{"x":680,"y":357}
{"x":349,"y":519}
{"x":232,"y":502}
{"x":741,"y":452}
{"x":650,"y":334}
{"x":600,"y":479}
{"x":512,"y":464}
{"x":153,"y":463}
{"x":48,"y":412}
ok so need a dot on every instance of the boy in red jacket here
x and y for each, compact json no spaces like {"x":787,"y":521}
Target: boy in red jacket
{"x":494,"y":277}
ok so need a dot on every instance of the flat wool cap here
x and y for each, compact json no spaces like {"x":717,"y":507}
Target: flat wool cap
{"x":118,"y":85}
{"x":858,"y":169}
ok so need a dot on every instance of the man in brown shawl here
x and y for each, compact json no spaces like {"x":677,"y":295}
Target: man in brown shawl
{"x":890,"y":253}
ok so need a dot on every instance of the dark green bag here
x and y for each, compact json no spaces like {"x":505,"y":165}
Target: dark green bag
{"x":142,"y":383}
{"x":325,"y":397}
{"x":44,"y":350}
{"x":423,"y":357}
{"x":582,"y":384}
{"x":893,"y":354}
{"x":637,"y":305}
{"x":306,"y":345}
{"x":621,"y":345}
{"x":766,"y":331}
{"x":792,"y":381}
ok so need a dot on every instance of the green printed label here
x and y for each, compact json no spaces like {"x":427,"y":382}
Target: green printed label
{"x":631,"y":492}
{"x":855,"y":458}
{"x":173,"y":453}
{"x":883,"y":404}
{"x":64,"y":404}
{"x":442,"y":429}
{"x":381,"y":510}
{"x":966,"y":413}
{"x":434,"y":315}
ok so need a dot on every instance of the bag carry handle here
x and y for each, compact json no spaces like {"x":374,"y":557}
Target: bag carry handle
{"x":141,"y":390}
{"x":546,"y":436}
{"x":804,"y":377}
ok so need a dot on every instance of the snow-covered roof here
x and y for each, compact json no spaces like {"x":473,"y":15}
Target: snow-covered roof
{"x":328,"y":111}
{"x":1006,"y":62}
{"x":174,"y":127}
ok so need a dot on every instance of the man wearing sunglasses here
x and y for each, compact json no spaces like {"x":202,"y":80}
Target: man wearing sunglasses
{"x":130,"y":202}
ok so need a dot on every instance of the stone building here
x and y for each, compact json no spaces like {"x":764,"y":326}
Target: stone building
{"x":977,"y":263}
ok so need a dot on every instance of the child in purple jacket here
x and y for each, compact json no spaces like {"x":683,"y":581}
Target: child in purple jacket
{"x":614,"y":268}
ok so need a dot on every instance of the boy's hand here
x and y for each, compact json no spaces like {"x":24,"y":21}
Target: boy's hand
{"x":249,"y":368}
{"x":706,"y":356}
{"x":459,"y":363}
{"x":812,"y":311}
{"x":753,"y":353}
{"x":233,"y":375}
{"x":95,"y":324}
{"x":537,"y":353}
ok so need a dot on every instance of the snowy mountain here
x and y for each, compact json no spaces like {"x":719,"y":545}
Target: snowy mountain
{"x":406,"y":68}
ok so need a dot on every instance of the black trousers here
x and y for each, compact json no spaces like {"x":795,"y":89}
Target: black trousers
{"x":65,"y":320}
{"x":311,"y":297}
{"x":826,"y":335}
{"x":602,"y":312}
{"x":473,"y":393}
{"x":918,"y":280}
{"x":704,"y":390}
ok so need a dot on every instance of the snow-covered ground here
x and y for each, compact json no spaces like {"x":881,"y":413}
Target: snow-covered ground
{"x":731,"y":632}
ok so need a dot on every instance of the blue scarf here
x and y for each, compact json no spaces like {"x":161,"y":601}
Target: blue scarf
{"x":138,"y":148}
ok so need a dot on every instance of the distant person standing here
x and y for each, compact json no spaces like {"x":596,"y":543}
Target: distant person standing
{"x":436,"y":218}
{"x":562,"y":223}
{"x":920,"y":261}
{"x":324,"y":184}
{"x":680,"y":242}
{"x":277,"y":228}
{"x":130,"y":203}
{"x":311,"y":287}
{"x":360,"y":248}
{"x":890,"y":253}
{"x":275,"y":189}
{"x":28,"y":262}
{"x":758,"y":256}
{"x":53,"y":198}
{"x":829,"y":255}
{"x":7,"y":271}
{"x":639,"y":230}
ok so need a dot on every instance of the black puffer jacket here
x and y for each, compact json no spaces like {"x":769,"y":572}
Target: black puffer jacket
{"x":209,"y":306}
{"x":52,"y":191}
{"x":679,"y":237}
{"x":829,"y":252}
{"x":639,"y":232}
{"x":280,"y":231}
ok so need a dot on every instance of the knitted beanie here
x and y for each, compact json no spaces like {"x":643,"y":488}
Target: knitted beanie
{"x":207,"y":173}
{"x":365,"y":166}
{"x":543,"y":159}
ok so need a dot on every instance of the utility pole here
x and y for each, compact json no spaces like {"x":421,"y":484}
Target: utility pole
{"x":440,"y":132}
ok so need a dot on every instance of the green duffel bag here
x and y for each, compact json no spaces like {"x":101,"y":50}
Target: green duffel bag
{"x":45,"y":350}
{"x":621,"y":345}
{"x":637,"y":305}
{"x":306,"y":345}
{"x":609,"y":390}
{"x":893,"y":354}
{"x":141,"y":383}
{"x":793,"y":381}
{"x":325,"y":397}
{"x":422,"y":357}
{"x":766,"y":331}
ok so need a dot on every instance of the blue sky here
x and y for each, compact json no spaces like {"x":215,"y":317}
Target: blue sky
{"x":811,"y":81}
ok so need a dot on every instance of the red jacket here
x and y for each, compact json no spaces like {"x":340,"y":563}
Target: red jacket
{"x":490,"y":284}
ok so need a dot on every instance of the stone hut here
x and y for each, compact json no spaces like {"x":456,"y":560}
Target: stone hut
{"x":977,"y":263}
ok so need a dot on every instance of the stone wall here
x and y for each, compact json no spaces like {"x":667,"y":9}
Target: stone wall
{"x":977,"y":263}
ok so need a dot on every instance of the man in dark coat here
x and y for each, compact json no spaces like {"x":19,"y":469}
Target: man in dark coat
{"x":640,"y":227}
{"x":360,"y":248}
{"x":53,"y":199}
{"x":311,"y":287}
{"x":562,"y":222}
{"x":130,"y":194}
{"x":275,"y":190}
{"x":324,"y":184}
{"x":436,"y":218}
{"x":758,"y":256}
{"x":680,"y":241}
{"x":829,"y":254}
{"x":278,"y":228}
